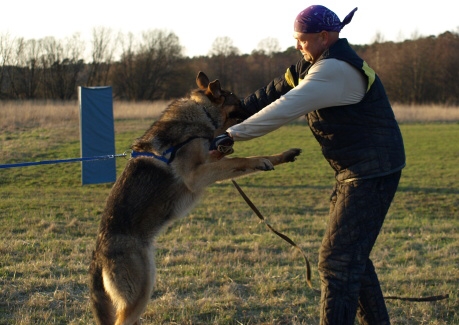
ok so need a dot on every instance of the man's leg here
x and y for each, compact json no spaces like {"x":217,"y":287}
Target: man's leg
{"x":357,"y":212}
{"x":372,"y":307}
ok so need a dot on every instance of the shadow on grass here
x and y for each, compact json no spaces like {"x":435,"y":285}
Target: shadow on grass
{"x":429,"y":190}
{"x":425,"y":190}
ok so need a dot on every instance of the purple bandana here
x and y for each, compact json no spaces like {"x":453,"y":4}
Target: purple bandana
{"x":315,"y":19}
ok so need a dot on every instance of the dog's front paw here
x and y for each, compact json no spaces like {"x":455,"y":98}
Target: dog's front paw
{"x":265,"y":165}
{"x":291,"y":154}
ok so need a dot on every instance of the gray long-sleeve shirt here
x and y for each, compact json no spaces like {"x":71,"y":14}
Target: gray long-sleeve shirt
{"x":328,"y":83}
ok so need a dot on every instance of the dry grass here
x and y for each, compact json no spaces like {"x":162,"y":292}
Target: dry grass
{"x":218,"y":265}
{"x":28,"y":114}
{"x":426,"y":113}
{"x":139,"y":110}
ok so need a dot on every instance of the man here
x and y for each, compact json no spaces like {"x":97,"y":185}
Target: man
{"x":350,"y":116}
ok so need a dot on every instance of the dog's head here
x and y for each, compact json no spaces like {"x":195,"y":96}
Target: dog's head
{"x":207,"y":113}
{"x":228,"y":104}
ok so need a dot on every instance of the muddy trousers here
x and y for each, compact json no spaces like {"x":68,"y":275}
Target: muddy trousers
{"x":349,"y":284}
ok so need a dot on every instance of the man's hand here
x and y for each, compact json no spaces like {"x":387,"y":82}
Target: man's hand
{"x":215,"y":155}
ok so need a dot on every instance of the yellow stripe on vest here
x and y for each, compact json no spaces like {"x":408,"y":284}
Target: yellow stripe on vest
{"x":370,"y":73}
{"x":289,"y":78}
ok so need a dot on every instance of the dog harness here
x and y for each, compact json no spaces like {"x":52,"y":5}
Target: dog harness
{"x":168,"y":155}
{"x":222,"y":143}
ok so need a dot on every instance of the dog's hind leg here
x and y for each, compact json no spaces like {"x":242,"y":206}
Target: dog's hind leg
{"x":129,"y":313}
{"x":129,"y":285}
{"x":103,"y":309}
{"x":102,"y":306}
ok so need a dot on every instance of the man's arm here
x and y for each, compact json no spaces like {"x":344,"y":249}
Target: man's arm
{"x":329,"y":83}
{"x":275,"y":89}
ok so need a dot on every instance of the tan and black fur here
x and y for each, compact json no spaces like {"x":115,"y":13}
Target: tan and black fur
{"x":151,"y":193}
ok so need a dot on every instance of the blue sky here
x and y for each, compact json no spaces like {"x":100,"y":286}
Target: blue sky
{"x":246,"y":23}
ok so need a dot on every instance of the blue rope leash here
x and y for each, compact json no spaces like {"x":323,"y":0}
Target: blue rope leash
{"x":133,"y":154}
{"x":48,"y":162}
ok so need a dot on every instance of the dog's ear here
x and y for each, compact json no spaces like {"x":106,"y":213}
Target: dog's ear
{"x":202,"y":81}
{"x":212,"y":89}
{"x":215,"y":89}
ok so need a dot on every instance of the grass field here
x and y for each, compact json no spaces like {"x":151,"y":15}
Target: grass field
{"x":220,"y":265}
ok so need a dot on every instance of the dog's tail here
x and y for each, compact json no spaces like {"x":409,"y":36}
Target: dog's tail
{"x":101,"y":305}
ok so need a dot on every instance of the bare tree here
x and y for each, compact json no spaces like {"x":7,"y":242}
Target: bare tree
{"x":268,"y":46}
{"x":124,"y":70}
{"x":103,"y":51}
{"x":224,"y":60}
{"x":415,"y":69}
{"x":6,"y":49}
{"x":378,"y":38}
{"x":147,"y":65}
{"x":159,"y":51}
{"x":25,"y":72}
{"x":61,"y":63}
{"x":263,"y":60}
{"x":446,"y":67}
{"x":223,"y":46}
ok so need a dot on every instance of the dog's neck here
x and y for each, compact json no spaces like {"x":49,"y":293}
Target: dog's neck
{"x":214,"y":122}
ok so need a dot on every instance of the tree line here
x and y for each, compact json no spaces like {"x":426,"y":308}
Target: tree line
{"x":424,"y":70}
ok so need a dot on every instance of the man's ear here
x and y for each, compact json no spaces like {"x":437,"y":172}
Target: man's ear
{"x":324,"y":36}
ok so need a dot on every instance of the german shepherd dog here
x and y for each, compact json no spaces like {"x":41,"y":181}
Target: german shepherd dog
{"x":171,"y":169}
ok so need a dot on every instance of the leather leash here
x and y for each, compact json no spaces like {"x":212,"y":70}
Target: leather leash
{"x":308,"y":267}
{"x":420,"y":299}
{"x":281,"y":235}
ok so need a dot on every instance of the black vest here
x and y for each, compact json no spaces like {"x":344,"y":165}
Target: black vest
{"x":362,"y":140}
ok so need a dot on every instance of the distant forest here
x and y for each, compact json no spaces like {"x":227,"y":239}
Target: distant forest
{"x":151,"y":67}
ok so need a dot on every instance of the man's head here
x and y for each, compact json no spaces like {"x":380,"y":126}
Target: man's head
{"x":316,"y":28}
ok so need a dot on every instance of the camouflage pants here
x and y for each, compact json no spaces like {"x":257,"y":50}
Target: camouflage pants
{"x":349,"y":283}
